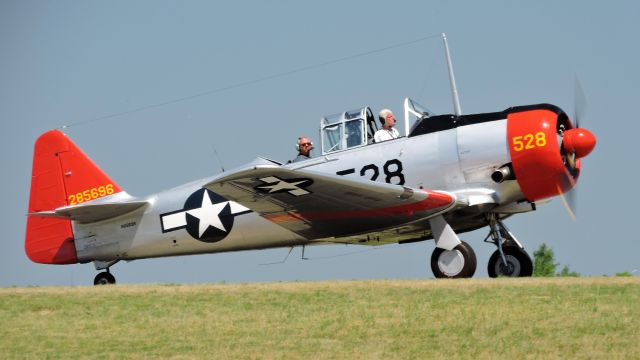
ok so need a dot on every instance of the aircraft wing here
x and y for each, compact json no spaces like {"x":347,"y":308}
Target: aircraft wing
{"x":319,"y":205}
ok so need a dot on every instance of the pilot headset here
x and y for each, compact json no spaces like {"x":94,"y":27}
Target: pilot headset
{"x":298,"y":143}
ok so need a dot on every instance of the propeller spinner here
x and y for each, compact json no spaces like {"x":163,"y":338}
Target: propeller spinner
{"x":579,"y":142}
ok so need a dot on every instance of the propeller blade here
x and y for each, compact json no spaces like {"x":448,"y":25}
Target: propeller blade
{"x":576,"y":143}
{"x":579,"y":101}
{"x":569,"y":200}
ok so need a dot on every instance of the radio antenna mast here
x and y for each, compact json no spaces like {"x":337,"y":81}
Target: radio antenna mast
{"x":452,"y":78}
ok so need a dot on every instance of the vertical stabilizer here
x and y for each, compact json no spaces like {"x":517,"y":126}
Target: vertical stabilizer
{"x":61,"y":175}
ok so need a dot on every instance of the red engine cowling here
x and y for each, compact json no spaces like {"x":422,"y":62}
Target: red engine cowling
{"x":542,"y":167}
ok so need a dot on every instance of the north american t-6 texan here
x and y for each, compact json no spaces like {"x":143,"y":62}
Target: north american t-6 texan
{"x":444,"y":176}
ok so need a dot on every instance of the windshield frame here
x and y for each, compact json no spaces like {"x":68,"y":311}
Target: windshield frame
{"x":413,"y":109}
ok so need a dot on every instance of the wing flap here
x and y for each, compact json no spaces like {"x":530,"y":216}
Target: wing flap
{"x":319,"y":205}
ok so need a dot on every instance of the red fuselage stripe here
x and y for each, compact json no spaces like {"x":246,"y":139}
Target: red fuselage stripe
{"x":434,"y":201}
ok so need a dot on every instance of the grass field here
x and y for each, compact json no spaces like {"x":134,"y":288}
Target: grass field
{"x":486,"y":318}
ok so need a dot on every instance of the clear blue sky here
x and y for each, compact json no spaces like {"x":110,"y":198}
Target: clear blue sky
{"x":64,"y":62}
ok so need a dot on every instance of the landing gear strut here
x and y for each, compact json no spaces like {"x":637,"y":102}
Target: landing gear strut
{"x":510,"y":259}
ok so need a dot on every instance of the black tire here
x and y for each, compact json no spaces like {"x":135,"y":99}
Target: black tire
{"x":104,"y":278}
{"x":462,"y":254}
{"x":519,"y":263}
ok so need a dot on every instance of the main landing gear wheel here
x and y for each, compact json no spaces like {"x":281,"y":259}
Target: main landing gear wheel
{"x":518,"y":264}
{"x":104,"y":278}
{"x":457,"y":263}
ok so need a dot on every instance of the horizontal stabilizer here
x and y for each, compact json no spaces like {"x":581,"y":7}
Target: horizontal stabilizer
{"x":88,"y":213}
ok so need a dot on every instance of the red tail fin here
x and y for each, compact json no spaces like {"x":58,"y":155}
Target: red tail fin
{"x":62,"y":175}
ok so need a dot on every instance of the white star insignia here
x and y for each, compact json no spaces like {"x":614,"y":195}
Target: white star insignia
{"x":208,"y":214}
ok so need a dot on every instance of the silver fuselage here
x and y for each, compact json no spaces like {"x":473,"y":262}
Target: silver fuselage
{"x":456,"y":160}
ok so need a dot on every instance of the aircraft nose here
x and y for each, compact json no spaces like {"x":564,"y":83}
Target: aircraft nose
{"x":579,"y":141}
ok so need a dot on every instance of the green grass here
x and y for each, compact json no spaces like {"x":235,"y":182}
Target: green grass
{"x":516,"y":318}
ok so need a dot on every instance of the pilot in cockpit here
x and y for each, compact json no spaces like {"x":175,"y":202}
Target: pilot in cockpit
{"x":304,"y":147}
{"x":388,"y":132}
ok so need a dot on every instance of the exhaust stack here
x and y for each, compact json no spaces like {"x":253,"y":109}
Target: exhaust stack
{"x":503,"y":173}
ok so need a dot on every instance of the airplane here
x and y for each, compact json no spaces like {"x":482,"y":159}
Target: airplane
{"x":446,"y":175}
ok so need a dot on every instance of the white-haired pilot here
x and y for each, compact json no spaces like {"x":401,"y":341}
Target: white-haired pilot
{"x":388,"y":132}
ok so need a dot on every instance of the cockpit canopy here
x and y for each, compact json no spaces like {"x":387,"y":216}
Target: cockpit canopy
{"x":347,"y":130}
{"x":356,"y":128}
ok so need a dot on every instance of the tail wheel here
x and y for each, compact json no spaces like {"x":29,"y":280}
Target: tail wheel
{"x":518,"y":264}
{"x":104,"y":278}
{"x":457,"y":263}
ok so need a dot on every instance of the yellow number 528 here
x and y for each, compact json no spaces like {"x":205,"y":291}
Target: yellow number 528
{"x":529,"y":141}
